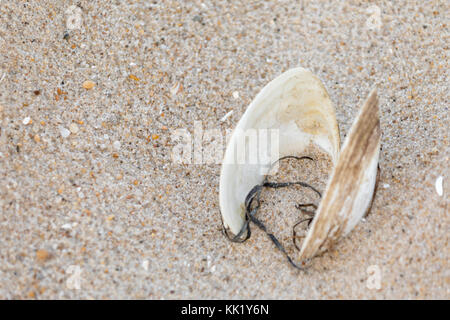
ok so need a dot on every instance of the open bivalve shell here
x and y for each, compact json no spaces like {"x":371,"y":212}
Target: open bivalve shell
{"x":298,"y":107}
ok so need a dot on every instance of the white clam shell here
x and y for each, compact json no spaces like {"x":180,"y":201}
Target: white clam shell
{"x":298,"y":106}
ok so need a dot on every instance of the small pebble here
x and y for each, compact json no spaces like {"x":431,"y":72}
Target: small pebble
{"x":236,"y":94}
{"x":225,"y":117}
{"x":145,"y":265}
{"x":177,"y":87}
{"x":64,"y":132}
{"x":197,"y":19}
{"x":116,"y":145}
{"x":386,"y":185}
{"x":66,"y":226}
{"x":73,"y":128}
{"x":42,"y":255}
{"x":438,"y":185}
{"x":88,"y":84}
{"x":26,"y":121}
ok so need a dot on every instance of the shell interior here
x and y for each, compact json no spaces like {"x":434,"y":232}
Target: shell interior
{"x":298,"y":107}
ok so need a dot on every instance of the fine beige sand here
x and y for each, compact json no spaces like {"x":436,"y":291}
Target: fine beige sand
{"x":92,"y":205}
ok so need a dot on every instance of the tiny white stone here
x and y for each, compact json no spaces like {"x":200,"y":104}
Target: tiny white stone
{"x":66,"y":226}
{"x":175,"y":88}
{"x":145,"y":264}
{"x":26,"y":120}
{"x":73,"y":127}
{"x":64,"y":132}
{"x":116,"y":145}
{"x":438,"y":185}
{"x":236,"y":94}
{"x":386,"y":185}
{"x":213,"y":268}
{"x":225,"y":117}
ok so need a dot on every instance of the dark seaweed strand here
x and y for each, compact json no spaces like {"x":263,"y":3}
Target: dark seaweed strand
{"x":250,"y":213}
{"x":294,"y":233}
{"x":300,"y":207}
{"x":258,"y":188}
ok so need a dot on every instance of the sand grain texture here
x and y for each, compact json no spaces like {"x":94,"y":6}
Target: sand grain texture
{"x":140,"y":226}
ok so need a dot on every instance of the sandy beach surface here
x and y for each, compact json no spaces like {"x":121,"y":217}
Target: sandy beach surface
{"x":92,"y":205}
